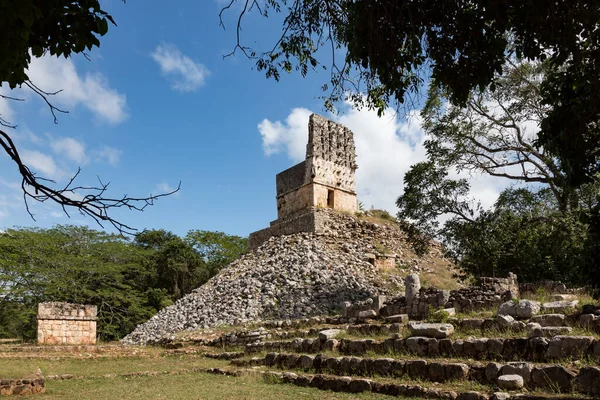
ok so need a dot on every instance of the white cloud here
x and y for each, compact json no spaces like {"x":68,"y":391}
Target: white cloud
{"x":40,"y":162}
{"x":92,"y":91}
{"x":56,"y":214}
{"x":6,"y":111}
{"x":187,"y":75}
{"x":71,"y":149}
{"x":386,"y":148}
{"x":290,"y":137}
{"x":109,"y":154}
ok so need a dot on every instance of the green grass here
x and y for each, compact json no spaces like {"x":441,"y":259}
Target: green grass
{"x":193,"y":386}
{"x":11,"y":368}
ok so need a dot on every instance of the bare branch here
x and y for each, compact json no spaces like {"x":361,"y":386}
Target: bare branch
{"x":94,"y":204}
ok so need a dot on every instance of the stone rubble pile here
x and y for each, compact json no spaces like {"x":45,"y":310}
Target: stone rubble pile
{"x":288,"y":277}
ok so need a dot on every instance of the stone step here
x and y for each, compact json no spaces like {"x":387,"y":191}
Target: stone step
{"x":398,"y":389}
{"x":509,"y":349}
{"x":542,"y":377}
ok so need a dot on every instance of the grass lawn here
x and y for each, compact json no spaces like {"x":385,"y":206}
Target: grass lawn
{"x":190,"y":386}
{"x":26,"y":367}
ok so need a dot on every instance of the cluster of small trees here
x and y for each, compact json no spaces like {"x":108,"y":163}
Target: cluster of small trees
{"x":129,"y":281}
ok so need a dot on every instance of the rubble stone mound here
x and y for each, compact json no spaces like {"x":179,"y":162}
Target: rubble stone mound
{"x":287,"y":277}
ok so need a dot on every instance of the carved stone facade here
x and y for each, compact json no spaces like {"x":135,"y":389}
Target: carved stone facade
{"x":325,"y":179}
{"x":64,"y":323}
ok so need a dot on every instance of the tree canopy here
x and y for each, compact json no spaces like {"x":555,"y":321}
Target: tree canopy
{"x":127,"y":281}
{"x":541,"y":228}
{"x":391,"y":47}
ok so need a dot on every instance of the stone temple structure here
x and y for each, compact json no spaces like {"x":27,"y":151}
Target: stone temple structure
{"x":326,"y":178}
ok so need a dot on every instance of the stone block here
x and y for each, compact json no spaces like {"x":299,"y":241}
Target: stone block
{"x":456,"y":371}
{"x":575,"y":347}
{"x":504,"y":321}
{"x":510,"y":382}
{"x":367,"y":314}
{"x":305,"y":362}
{"x":418,"y":345}
{"x":359,"y":386}
{"x":329,"y":334}
{"x":382,"y":366}
{"x":412,"y":285}
{"x":399,"y":318}
{"x":524,"y":309}
{"x":491,"y":372}
{"x":436,"y":372}
{"x":522,"y":369}
{"x":471,"y":324}
{"x":438,"y":331}
{"x":587,"y":320}
{"x":554,"y":378}
{"x":588,"y":381}
{"x":560,"y":306}
{"x":549,"y":319}
{"x":416,"y":369}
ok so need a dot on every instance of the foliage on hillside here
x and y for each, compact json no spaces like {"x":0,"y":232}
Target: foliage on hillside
{"x":128,"y":281}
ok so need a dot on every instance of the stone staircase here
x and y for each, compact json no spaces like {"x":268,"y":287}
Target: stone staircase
{"x":542,"y":356}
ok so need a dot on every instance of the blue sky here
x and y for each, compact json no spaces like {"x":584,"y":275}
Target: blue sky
{"x":158,"y":104}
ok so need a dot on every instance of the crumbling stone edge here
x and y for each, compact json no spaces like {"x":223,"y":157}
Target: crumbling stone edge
{"x":10,"y":387}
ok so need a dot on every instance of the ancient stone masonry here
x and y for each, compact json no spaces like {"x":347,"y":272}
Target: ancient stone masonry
{"x":418,"y":301}
{"x":22,"y":386}
{"x":325,"y":179}
{"x":64,"y":323}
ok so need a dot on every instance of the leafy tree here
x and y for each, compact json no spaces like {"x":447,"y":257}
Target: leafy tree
{"x":175,"y":265}
{"x":217,"y":249}
{"x":495,"y":132}
{"x":128,"y":281}
{"x":72,"y":264}
{"x":57,"y":28}
{"x":390,"y":47}
{"x":525,"y":232}
{"x":429,"y":195}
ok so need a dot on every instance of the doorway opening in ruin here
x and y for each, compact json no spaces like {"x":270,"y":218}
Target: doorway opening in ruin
{"x":330,"y":194}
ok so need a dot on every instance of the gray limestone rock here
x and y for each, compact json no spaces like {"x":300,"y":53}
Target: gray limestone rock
{"x":523,"y":369}
{"x":523,"y":309}
{"x":329,"y":334}
{"x":438,"y":331}
{"x":560,"y":306}
{"x":510,"y":382}
{"x":569,"y":346}
{"x":553,"y":377}
{"x":367,"y":314}
{"x":413,"y":285}
{"x":588,"y":381}
{"x":549,"y":319}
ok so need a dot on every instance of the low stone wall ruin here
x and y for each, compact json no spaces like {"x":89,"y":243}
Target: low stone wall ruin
{"x":22,"y":386}
{"x":64,"y":323}
{"x":510,"y":349}
{"x":418,"y":301}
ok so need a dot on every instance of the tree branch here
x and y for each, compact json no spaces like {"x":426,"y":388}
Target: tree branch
{"x":94,"y":204}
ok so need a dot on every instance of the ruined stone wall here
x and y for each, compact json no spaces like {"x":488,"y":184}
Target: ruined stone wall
{"x":419,"y":301}
{"x":291,"y":179}
{"x":299,"y":222}
{"x":292,"y":202}
{"x":64,"y":323}
{"x":342,"y":200}
{"x":22,"y":387}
